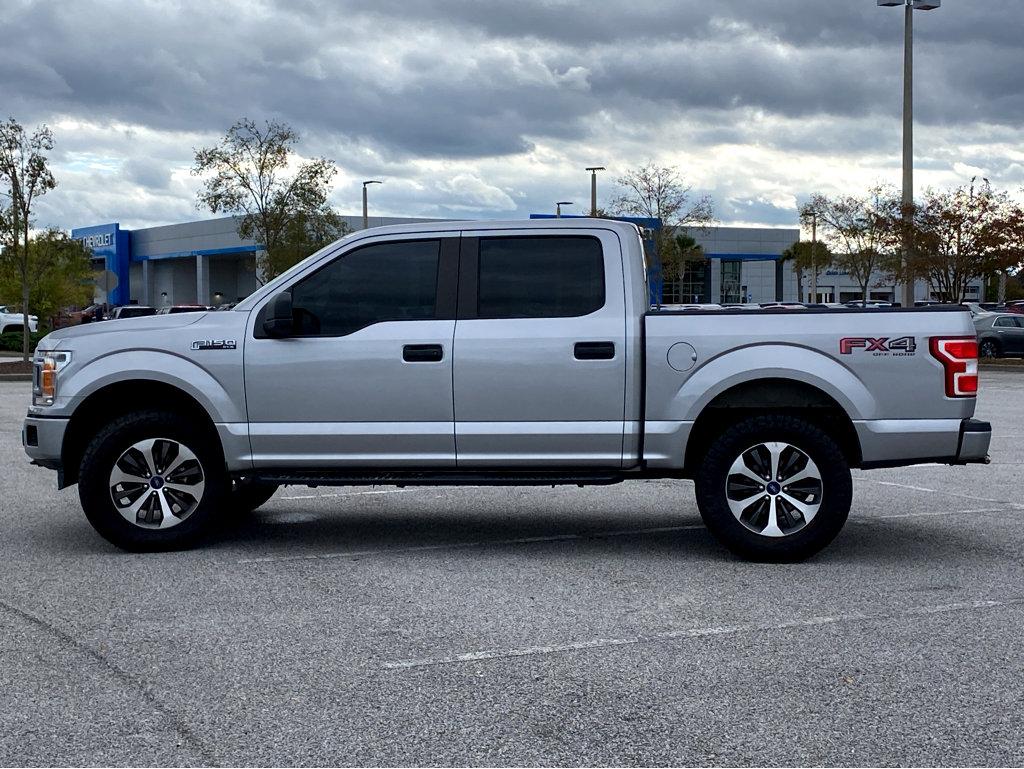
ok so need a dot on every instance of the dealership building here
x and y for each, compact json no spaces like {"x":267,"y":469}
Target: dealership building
{"x":206,"y":262}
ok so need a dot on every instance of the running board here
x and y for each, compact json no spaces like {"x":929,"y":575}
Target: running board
{"x":288,"y":477}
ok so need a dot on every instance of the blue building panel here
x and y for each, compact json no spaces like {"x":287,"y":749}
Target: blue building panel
{"x":111,"y":244}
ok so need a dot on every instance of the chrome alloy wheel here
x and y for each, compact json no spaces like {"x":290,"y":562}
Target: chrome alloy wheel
{"x":774,"y":489}
{"x":157,"y":483}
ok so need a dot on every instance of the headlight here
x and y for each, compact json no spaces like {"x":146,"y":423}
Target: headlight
{"x":44,"y":376}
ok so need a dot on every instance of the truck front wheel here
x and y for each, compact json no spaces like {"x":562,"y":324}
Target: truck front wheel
{"x":151,"y":480}
{"x":774,"y":488}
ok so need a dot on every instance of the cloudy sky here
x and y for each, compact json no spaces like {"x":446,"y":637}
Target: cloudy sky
{"x":481,"y":109}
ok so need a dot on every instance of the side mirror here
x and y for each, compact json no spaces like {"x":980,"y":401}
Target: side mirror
{"x":278,"y":320}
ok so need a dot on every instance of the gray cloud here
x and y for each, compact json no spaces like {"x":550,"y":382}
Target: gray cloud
{"x":439,"y":93}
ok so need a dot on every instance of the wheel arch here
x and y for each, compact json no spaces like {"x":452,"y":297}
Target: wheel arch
{"x":122,"y":397}
{"x":776,"y":395}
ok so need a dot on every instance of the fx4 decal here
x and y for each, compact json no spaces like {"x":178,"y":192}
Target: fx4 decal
{"x":904,"y":345}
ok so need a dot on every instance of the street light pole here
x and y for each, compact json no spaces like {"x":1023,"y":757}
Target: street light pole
{"x":909,"y":6}
{"x":908,"y":149}
{"x":593,"y":188}
{"x":366,"y":213}
{"x":814,"y":256}
{"x":558,"y":207}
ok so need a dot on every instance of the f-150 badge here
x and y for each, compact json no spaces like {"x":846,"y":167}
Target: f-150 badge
{"x":214,"y":344}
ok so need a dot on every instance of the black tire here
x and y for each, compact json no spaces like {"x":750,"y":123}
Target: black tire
{"x":989,"y":348}
{"x":834,"y":493}
{"x":107,"y":448}
{"x":247,"y":495}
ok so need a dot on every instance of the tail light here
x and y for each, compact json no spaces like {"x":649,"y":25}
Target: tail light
{"x":959,"y":358}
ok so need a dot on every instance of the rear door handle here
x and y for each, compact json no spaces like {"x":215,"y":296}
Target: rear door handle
{"x":594,"y":350}
{"x":422,"y":353}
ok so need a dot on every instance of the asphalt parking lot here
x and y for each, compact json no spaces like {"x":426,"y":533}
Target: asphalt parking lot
{"x":521,"y":626}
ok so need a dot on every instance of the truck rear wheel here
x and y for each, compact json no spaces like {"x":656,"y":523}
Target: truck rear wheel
{"x":151,"y":480}
{"x":774,"y":488}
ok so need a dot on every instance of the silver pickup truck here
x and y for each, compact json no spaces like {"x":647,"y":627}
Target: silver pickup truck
{"x":506,"y":353}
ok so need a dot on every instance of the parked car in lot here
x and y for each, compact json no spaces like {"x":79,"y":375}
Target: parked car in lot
{"x":976,"y":310}
{"x":178,"y":308}
{"x":131,"y":311}
{"x":509,"y":353}
{"x":1016,"y":307}
{"x":1000,"y":335}
{"x":14,"y":322}
{"x":682,"y":307}
{"x":871,"y":304}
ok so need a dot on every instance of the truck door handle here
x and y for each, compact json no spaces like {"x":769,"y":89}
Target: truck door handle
{"x":594,"y":350}
{"x":422,"y":353}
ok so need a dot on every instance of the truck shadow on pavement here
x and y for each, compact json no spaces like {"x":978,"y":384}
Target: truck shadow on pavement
{"x":278,"y":534}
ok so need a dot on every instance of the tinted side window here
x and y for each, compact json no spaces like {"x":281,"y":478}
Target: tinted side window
{"x":384,"y":281}
{"x":1004,"y":323}
{"x":540,"y":277}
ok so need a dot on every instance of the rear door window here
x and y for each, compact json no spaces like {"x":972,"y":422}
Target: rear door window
{"x":540,"y":277}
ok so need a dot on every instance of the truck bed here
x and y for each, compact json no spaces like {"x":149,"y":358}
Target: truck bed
{"x":875,"y":365}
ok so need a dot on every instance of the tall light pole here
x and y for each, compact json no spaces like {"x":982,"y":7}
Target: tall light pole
{"x":814,"y":254}
{"x":366,"y":214}
{"x":593,"y":188}
{"x":558,"y":207}
{"x":909,"y":6}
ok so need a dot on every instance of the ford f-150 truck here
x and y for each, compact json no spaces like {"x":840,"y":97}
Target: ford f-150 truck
{"x":498,"y":353}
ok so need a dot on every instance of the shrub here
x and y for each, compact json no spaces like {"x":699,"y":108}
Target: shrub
{"x":12,"y":341}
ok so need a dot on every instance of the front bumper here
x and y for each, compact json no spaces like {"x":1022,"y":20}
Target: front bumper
{"x":43,"y":439}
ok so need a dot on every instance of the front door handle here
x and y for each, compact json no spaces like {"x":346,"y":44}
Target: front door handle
{"x":594,"y":350}
{"x":422,"y":353}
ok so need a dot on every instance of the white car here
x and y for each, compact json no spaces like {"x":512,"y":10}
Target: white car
{"x":13,"y":321}
{"x":977,"y":311}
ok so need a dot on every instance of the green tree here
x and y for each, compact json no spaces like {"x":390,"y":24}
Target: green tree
{"x":58,"y":272}
{"x":863,"y":233}
{"x":807,"y":256}
{"x":677,"y":254}
{"x":964,"y":233}
{"x":281,"y":203}
{"x":26,"y":174}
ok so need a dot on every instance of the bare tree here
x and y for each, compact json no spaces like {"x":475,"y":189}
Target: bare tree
{"x":248,"y":173}
{"x":967,"y":232}
{"x":660,"y":192}
{"x":863,"y":233}
{"x":24,"y":168}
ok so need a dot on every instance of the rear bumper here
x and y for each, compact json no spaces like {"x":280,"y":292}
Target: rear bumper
{"x":899,"y":442}
{"x":975,"y":437}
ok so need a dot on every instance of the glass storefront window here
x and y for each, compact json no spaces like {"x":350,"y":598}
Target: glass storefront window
{"x":731,"y":292}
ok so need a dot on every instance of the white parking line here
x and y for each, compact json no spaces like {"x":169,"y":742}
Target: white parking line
{"x":463,"y":545}
{"x":903,"y":486}
{"x":942,"y":492}
{"x":346,"y":494}
{"x":599,"y":643}
{"x":929,"y":514}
